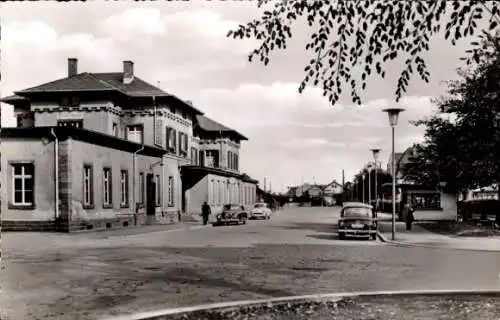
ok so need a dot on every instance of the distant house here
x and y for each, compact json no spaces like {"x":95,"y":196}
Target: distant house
{"x":333,"y":188}
{"x":315,"y":191}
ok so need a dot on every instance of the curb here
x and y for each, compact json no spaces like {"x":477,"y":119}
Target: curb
{"x":383,"y":239}
{"x":157,"y":315}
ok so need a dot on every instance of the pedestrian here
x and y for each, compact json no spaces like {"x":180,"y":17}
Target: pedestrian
{"x":408,"y":215}
{"x":205,"y":212}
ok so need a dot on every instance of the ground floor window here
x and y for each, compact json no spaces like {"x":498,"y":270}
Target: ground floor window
{"x":123,"y":188}
{"x":157,"y":190}
{"x":141,"y":187}
{"x":88,"y":186}
{"x":23,"y":181}
{"x":107,"y":187}
{"x":171,"y":202}
{"x":425,"y":201}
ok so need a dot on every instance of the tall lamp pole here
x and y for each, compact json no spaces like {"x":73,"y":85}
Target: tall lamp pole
{"x":364,"y":187}
{"x":369,"y":184}
{"x":376,"y":153}
{"x":393,"y":121}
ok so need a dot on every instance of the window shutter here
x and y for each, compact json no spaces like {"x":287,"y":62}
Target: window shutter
{"x":174,"y":140}
{"x":167,"y":134}
{"x":180,"y":142}
{"x":186,"y":142}
{"x":158,"y":133}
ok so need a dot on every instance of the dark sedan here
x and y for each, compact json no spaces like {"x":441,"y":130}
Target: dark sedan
{"x":358,"y":220}
{"x":231,"y":214}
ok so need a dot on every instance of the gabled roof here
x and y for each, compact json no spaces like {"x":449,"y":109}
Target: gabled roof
{"x":332,"y":183}
{"x":209,"y":125}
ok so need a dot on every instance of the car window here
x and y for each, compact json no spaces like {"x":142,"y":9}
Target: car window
{"x":260,"y":205}
{"x":227,"y":207}
{"x":357,"y":212}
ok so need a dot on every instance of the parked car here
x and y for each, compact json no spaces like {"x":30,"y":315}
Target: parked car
{"x":231,"y":214}
{"x":260,"y":210}
{"x":357,"y":219}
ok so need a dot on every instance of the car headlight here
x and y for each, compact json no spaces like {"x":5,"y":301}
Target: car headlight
{"x":341,"y":224}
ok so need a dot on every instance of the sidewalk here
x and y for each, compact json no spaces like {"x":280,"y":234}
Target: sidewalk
{"x":421,"y":237}
{"x":137,"y":230}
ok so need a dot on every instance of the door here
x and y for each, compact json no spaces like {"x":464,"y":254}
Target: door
{"x":202,"y":158}
{"x":150,"y":195}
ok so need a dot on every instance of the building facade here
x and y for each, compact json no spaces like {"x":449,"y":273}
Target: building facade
{"x":108,"y":148}
{"x":213,"y":176}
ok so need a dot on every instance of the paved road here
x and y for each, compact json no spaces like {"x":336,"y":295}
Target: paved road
{"x":89,"y":275}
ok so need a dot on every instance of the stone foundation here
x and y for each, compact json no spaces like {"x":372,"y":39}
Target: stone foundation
{"x":28,"y":226}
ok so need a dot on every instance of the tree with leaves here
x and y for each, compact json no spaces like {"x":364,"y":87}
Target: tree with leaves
{"x":462,"y":141}
{"x":353,"y":36}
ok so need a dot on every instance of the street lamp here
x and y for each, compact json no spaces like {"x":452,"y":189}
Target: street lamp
{"x":393,"y":114}
{"x":363,"y":187}
{"x":376,"y":153}
{"x":369,"y":167}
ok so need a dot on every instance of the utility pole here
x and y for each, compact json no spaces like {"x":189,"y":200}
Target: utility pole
{"x":265,"y":184}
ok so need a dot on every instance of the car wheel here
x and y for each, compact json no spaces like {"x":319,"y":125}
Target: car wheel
{"x":341,"y":235}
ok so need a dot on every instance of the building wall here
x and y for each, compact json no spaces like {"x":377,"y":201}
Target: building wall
{"x":196,"y":196}
{"x":98,"y":156}
{"x":42,"y":156}
{"x":164,"y":118}
{"x":219,"y":190}
{"x":93,"y":118}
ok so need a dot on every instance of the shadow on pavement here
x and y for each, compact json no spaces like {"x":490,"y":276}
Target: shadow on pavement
{"x":318,"y":227}
{"x":324,"y":236}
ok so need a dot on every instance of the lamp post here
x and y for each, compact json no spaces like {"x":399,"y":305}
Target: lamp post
{"x":393,"y":114}
{"x":376,"y":153}
{"x":369,"y":167}
{"x":363,"y":187}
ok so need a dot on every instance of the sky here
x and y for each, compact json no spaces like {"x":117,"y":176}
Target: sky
{"x":183,"y":45}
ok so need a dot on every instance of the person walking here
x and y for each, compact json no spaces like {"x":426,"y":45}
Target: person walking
{"x":205,"y":212}
{"x":408,"y":215}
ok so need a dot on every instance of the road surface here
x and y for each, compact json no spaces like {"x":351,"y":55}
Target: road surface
{"x":90,"y":275}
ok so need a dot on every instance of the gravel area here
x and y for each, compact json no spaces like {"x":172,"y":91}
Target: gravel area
{"x":364,"y":308}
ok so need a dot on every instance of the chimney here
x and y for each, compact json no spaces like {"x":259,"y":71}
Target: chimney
{"x":189,"y":102}
{"x":72,"y":67}
{"x":128,"y":72}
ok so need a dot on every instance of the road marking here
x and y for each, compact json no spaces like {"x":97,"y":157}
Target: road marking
{"x":327,"y":296}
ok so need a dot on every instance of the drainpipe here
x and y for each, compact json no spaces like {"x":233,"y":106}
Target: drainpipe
{"x":134,"y":204}
{"x":56,"y":172}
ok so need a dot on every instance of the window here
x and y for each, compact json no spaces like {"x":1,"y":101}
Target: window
{"x":22,"y":184}
{"x":157,"y":190}
{"x":124,"y":188}
{"x":70,"y":123}
{"x":72,"y":101}
{"x":114,"y":130}
{"x":236,"y":166}
{"x":170,"y":191}
{"x":172,"y":109}
{"x":88,"y":187}
{"x":181,"y":143}
{"x":185,"y":144}
{"x":194,"y":156}
{"x":135,"y":133}
{"x":141,"y":187}
{"x":212,"y":158}
{"x":107,"y":197}
{"x":229,"y":160}
{"x":184,"y":115}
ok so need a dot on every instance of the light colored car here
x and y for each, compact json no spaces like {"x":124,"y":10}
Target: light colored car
{"x":260,"y":210}
{"x":357,"y":219}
